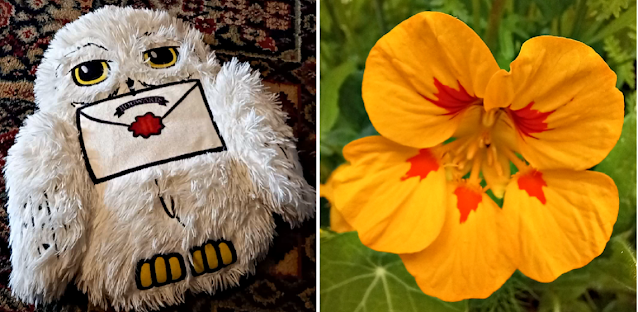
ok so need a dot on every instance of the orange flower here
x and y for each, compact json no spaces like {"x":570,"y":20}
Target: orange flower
{"x":416,"y":192}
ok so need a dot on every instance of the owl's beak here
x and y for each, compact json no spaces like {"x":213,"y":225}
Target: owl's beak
{"x":130,"y":84}
{"x":131,"y":87}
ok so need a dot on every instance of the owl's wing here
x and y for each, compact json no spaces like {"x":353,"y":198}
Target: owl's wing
{"x":47,"y":186}
{"x":295,"y":196}
{"x":255,"y":126}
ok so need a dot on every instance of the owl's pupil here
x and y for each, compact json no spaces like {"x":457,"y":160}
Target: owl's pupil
{"x":91,"y":70}
{"x":162,"y":56}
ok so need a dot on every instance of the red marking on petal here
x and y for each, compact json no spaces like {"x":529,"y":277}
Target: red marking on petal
{"x":533,"y":183}
{"x":454,"y":101}
{"x":467,"y":200}
{"x":421,"y":165}
{"x":528,"y":120}
{"x":146,"y":125}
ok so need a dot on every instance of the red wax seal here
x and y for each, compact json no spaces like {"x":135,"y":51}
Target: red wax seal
{"x":146,"y":125}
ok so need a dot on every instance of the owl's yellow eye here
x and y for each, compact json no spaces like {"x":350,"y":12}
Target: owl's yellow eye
{"x":161,"y":57}
{"x":90,"y":73}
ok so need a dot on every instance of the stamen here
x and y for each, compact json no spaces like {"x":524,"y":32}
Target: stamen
{"x":458,"y":144}
{"x":461,"y":165}
{"x":499,"y":169}
{"x":471,"y":150}
{"x":490,"y":158}
{"x":476,"y":168}
{"x":449,"y":174}
{"x":488,"y":139}
{"x":519,"y":163}
{"x":457,"y":159}
{"x":491,"y":151}
{"x":445,"y":159}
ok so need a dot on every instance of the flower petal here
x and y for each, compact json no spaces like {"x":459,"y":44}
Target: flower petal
{"x":504,"y":133}
{"x":469,"y":122}
{"x":559,"y":219}
{"x":466,"y":260}
{"x":423,"y":74}
{"x":337,"y":222}
{"x":393,"y":195}
{"x":562,"y":99}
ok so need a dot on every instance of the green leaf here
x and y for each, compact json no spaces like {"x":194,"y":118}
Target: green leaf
{"x":565,"y":291}
{"x":330,"y":85}
{"x":626,"y":19}
{"x":603,"y":9}
{"x":630,"y":102}
{"x":355,"y":278}
{"x":453,"y":7}
{"x":626,"y":74}
{"x":616,"y":52}
{"x":325,"y":19}
{"x":618,"y":272}
{"x":338,"y":137}
{"x":620,"y":165}
{"x":351,"y":103}
{"x":623,"y":302}
{"x":507,"y":298}
{"x":324,"y":216}
{"x":621,"y":59}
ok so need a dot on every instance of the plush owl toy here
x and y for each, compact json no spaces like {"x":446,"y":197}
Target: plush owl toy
{"x":149,"y":169}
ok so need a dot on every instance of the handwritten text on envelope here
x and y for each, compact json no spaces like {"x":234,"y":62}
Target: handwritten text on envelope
{"x":153,"y":126}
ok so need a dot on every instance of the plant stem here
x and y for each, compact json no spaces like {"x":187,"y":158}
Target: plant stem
{"x":335,"y":21}
{"x":378,"y":7}
{"x":476,"y":14}
{"x":554,"y":27}
{"x":581,"y":11}
{"x":590,"y":301}
{"x":491,"y":33}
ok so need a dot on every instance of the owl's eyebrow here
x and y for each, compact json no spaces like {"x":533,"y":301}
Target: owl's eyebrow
{"x":86,"y":45}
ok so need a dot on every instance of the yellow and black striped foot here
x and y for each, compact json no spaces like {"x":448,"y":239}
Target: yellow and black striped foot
{"x":212,"y":256}
{"x":159,"y":271}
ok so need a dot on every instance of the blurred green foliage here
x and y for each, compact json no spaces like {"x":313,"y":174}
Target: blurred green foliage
{"x":350,"y":28}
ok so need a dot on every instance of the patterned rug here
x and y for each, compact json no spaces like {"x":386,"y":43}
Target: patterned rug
{"x":277,"y":37}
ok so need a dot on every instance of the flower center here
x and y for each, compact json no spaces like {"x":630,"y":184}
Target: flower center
{"x":467,"y":158}
{"x":470,"y":153}
{"x":475,"y":156}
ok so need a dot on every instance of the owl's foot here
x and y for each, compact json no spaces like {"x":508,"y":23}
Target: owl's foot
{"x":159,"y":271}
{"x":166,"y":269}
{"x":212,"y":256}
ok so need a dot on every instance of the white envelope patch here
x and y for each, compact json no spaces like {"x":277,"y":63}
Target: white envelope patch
{"x":153,"y":126}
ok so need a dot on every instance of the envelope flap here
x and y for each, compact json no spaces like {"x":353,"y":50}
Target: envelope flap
{"x":124,"y":108}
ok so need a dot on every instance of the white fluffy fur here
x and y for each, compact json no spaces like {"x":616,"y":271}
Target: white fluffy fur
{"x":98,"y":233}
